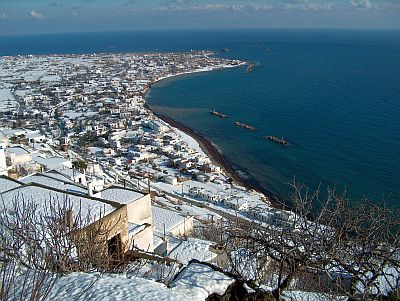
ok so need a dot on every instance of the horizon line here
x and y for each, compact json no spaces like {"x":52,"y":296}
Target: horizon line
{"x":205,"y":29}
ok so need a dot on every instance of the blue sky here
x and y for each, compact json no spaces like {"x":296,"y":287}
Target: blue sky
{"x":48,"y":16}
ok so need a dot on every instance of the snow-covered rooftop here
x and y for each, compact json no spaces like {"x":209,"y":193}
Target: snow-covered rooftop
{"x":12,"y":132}
{"x":120,"y":195}
{"x":198,"y":281}
{"x":17,"y":150}
{"x":33,"y":135}
{"x":52,"y":162}
{"x":192,"y":248}
{"x":47,"y":180}
{"x":62,"y":175}
{"x":96,"y":287}
{"x":165,"y":217}
{"x":195,"y":283}
{"x":42,"y":196}
{"x":7,"y":184}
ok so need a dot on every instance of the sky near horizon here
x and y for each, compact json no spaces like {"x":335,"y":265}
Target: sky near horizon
{"x":53,"y":16}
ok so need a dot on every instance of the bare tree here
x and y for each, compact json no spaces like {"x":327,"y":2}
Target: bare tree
{"x":342,"y":249}
{"x":33,"y":284}
{"x":40,"y":244}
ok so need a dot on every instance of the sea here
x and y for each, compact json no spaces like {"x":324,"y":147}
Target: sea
{"x":334,"y":95}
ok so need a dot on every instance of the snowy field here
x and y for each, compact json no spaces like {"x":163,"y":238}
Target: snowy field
{"x":7,"y":101}
{"x":194,"y":283}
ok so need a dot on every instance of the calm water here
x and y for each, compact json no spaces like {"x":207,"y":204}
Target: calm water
{"x":334,"y":95}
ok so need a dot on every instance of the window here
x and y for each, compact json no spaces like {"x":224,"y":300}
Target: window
{"x":115,"y":247}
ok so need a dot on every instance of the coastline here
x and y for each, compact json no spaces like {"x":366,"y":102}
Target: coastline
{"x":148,"y":87}
{"x":218,"y":159}
{"x":207,"y":147}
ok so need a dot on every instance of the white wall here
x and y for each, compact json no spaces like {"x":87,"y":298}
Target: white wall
{"x":143,"y":240}
{"x":139,"y":211}
{"x":3,"y":164}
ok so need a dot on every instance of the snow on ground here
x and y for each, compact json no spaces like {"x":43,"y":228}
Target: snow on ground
{"x":5,"y":95}
{"x":51,"y":78}
{"x":82,"y":286}
{"x":199,"y":213}
{"x":246,"y":263}
{"x":194,"y":283}
{"x":5,"y":98}
{"x":191,"y":142}
{"x":198,"y":281}
{"x":73,"y":115}
{"x":192,"y":248}
{"x":383,"y":284}
{"x":308,"y":296}
{"x":203,"y":214}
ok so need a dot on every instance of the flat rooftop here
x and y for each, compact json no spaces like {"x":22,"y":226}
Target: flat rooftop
{"x":120,"y":195}
{"x":90,"y":209}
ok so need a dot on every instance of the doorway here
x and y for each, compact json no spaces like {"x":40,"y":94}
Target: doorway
{"x":115,"y":247}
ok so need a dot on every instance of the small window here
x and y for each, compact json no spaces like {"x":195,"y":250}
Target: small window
{"x":115,"y":247}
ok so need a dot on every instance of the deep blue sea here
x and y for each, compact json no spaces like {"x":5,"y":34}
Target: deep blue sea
{"x":333,"y":94}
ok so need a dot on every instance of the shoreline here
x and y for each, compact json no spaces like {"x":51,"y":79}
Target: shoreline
{"x":208,"y":148}
{"x":148,"y":87}
{"x":218,"y":159}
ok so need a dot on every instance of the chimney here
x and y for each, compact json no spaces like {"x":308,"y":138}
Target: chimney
{"x":90,"y":188}
{"x":3,"y":163}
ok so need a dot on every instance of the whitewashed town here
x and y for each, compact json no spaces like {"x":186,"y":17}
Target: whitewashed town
{"x":79,"y":146}
{"x":76,"y":127}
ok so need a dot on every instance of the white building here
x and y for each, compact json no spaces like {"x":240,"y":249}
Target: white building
{"x":235,"y":203}
{"x":171,"y":180}
{"x":3,"y":162}
{"x":204,"y":195}
{"x":17,"y":155}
